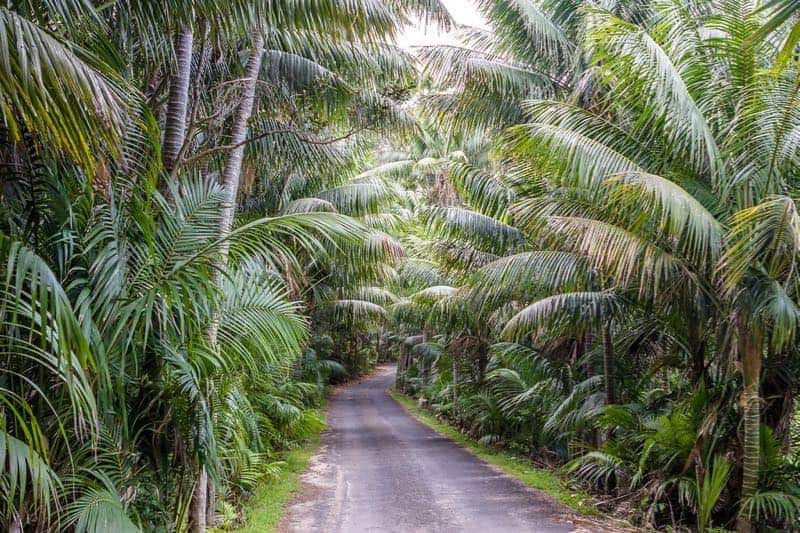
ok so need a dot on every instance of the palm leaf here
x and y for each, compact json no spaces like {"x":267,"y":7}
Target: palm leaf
{"x":642,"y":73}
{"x":674,"y":212}
{"x":570,"y":312}
{"x":49,"y":87}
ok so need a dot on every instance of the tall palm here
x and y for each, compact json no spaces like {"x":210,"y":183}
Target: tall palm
{"x":128,"y":274}
{"x":638,"y":191}
{"x":675,"y":195}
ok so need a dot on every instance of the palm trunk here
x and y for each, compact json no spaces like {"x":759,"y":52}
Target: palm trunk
{"x":175,"y":126}
{"x":608,"y":364}
{"x":483,"y":361}
{"x":697,"y":348}
{"x":230,"y":182}
{"x":211,"y":511}
{"x":455,"y":382}
{"x":233,"y":167}
{"x":784,"y":425}
{"x":200,"y":503}
{"x":750,"y":353}
{"x":698,"y":363}
{"x":16,"y":524}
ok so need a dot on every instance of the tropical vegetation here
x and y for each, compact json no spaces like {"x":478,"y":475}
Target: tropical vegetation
{"x":181,"y":216}
{"x":576,"y":232}
{"x":614,"y":285}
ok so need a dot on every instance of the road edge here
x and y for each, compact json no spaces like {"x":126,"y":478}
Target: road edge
{"x":266,"y":508}
{"x":522,"y":470}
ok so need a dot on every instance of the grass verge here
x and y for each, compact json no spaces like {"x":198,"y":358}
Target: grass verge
{"x":518,"y":467}
{"x":265,"y":508}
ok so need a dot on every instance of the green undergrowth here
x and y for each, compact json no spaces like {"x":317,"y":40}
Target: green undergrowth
{"x":518,"y":467}
{"x":265,"y":508}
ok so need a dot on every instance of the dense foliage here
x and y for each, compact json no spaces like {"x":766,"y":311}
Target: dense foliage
{"x":605,"y":276}
{"x":182,"y":218}
{"x":579,"y":238}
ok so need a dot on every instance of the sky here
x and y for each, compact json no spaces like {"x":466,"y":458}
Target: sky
{"x":463,"y":11}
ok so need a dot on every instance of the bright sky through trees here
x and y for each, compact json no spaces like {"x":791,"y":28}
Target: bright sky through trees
{"x":464,"y":13}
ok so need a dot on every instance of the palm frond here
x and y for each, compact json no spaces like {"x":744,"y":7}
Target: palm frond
{"x":99,"y":510}
{"x":640,"y":71}
{"x":768,"y":235}
{"x":482,"y":191}
{"x":358,"y":198}
{"x":484,"y":232}
{"x":571,"y":312}
{"x":572,"y":157}
{"x":359,"y":310}
{"x":527,"y":273}
{"x":52,"y":88}
{"x":674,"y":212}
{"x":630,"y":260}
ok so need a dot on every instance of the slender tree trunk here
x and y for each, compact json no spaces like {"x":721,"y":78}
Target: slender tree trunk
{"x":443,"y":194}
{"x":483,"y":361}
{"x":750,"y":344}
{"x":608,"y":364}
{"x":230,"y":182}
{"x":455,"y":382}
{"x":698,"y":362}
{"x":784,"y":424}
{"x":233,"y":167}
{"x":211,"y":510}
{"x":697,"y":348}
{"x":16,"y":524}
{"x":200,"y":502}
{"x":175,"y":126}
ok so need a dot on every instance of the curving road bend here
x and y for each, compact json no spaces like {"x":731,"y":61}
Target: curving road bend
{"x":378,"y":469}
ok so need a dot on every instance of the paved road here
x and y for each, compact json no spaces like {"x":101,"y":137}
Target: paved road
{"x":380,"y":470}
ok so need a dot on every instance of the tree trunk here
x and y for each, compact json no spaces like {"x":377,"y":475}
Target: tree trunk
{"x":233,"y":166}
{"x":455,"y":381}
{"x":200,"y":503}
{"x":175,"y":126}
{"x":750,"y":353}
{"x":211,"y":508}
{"x":783,"y":427}
{"x":16,"y":524}
{"x":697,"y":348}
{"x":698,"y":363}
{"x":230,"y":182}
{"x":483,"y":361}
{"x":443,"y":194}
{"x":608,"y":364}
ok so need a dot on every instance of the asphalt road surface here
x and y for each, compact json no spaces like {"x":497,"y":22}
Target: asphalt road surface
{"x":378,"y":469}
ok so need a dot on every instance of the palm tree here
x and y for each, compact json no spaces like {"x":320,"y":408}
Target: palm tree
{"x":114,"y":275}
{"x":629,"y":244}
{"x":639,"y":198}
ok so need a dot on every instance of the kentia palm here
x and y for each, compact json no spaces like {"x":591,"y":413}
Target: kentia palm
{"x":645,"y":187}
{"x":133,"y":282}
{"x":655,"y":238}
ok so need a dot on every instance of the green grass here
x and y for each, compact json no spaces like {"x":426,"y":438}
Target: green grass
{"x":518,"y":467}
{"x":265,"y":508}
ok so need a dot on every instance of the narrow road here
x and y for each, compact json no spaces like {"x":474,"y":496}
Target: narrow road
{"x":380,"y":470}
